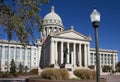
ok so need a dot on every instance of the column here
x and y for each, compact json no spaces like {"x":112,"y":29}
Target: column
{"x":106,"y":59}
{"x":116,"y":58}
{"x":61,"y":52}
{"x":49,"y":29}
{"x":3,"y":60}
{"x":21,"y":55}
{"x":100,"y":62}
{"x":68,"y":55}
{"x":32,"y":57}
{"x":38,"y":53}
{"x":88,"y":54}
{"x":110,"y":59}
{"x":41,"y":34}
{"x":103,"y":59}
{"x":52,"y":56}
{"x":15,"y":52}
{"x":72,"y":58}
{"x":85,"y":55}
{"x":93,"y":58}
{"x":9,"y":54}
{"x":56,"y":53}
{"x":114,"y":62}
{"x":80,"y":62}
{"x":25,"y":62}
{"x":74,"y":54}
{"x":44,"y":34}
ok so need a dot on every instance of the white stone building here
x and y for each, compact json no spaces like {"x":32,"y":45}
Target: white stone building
{"x":49,"y":50}
{"x":55,"y":40}
{"x":28,"y":56}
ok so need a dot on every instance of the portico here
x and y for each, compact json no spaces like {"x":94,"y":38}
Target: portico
{"x":77,"y":48}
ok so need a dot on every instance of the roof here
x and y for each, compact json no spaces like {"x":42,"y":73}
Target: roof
{"x":71,"y":34}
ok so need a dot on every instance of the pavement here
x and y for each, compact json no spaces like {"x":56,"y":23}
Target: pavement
{"x":112,"y":78}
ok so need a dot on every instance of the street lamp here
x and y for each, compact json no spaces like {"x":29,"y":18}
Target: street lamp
{"x":95,"y":19}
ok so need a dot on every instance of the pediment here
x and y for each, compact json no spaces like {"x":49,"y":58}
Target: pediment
{"x":72,"y":34}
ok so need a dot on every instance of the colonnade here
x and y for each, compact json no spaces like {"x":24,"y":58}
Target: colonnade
{"x":47,"y":30}
{"x":27,"y":56}
{"x":77,"y":53}
{"x":105,"y":59}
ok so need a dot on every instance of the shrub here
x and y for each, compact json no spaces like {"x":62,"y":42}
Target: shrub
{"x":64,"y":73}
{"x":106,"y":68}
{"x":12,"y":66}
{"x":84,"y":74}
{"x":117,"y":67}
{"x":94,"y":74}
{"x":55,"y":74}
{"x":51,"y":74}
{"x":20,"y":68}
{"x":34,"y":71}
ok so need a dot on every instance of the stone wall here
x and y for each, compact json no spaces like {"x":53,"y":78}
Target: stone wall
{"x":31,"y":80}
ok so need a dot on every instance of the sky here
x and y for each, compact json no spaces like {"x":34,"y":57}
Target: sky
{"x":77,"y":13}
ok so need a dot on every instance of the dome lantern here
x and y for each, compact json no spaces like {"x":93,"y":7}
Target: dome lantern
{"x":52,"y":9}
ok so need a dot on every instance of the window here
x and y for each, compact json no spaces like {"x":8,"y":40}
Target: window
{"x":102,"y":58}
{"x":105,"y":59}
{"x":35,"y":52}
{"x":28,"y":64}
{"x":6,"y":52}
{"x":91,"y":58}
{"x":12,"y":53}
{"x":0,"y":52}
{"x":6,"y":62}
{"x":23,"y":54}
{"x":29,"y":54}
{"x":34,"y":63}
{"x":17,"y":63}
{"x":95,"y":58}
{"x":18,"y":53}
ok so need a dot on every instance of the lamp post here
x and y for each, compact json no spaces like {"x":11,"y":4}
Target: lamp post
{"x":95,"y":19}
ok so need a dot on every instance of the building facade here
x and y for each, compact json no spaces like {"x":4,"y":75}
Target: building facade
{"x":107,"y":57}
{"x":28,"y":56}
{"x":55,"y":48}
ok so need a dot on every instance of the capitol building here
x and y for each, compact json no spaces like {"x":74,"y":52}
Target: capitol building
{"x":55,"y":48}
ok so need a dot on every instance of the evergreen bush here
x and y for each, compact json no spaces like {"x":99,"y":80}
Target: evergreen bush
{"x":106,"y":68}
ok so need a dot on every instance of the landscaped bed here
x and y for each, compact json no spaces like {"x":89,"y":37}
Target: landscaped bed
{"x":70,"y":80}
{"x":62,"y":75}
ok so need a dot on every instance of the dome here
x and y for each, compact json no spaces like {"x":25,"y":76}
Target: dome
{"x":52,"y":15}
{"x":52,"y":18}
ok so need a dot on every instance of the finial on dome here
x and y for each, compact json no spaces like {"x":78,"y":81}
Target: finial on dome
{"x":72,"y":27}
{"x":52,"y":8}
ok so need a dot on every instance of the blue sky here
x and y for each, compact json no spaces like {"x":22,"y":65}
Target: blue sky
{"x":77,"y":13}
